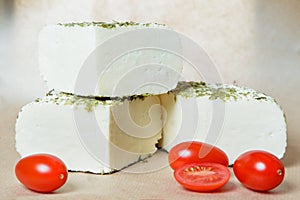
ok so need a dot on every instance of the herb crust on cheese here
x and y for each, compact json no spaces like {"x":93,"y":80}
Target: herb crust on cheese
{"x":216,"y":91}
{"x":108,"y":25}
{"x":90,"y":102}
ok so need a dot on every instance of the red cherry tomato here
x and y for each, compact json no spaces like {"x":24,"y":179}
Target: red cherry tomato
{"x":202,"y":177}
{"x":194,"y":152}
{"x":41,"y":172}
{"x":259,"y":170}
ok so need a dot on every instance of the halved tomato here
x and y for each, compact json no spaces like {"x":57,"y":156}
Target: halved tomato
{"x":202,"y":177}
{"x":195,"y":152}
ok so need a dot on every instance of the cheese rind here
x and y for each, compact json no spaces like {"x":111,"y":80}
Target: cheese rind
{"x":236,"y":119}
{"x":84,"y":133}
{"x":109,"y":59}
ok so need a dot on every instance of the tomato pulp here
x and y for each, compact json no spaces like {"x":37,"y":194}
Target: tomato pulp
{"x":41,"y":172}
{"x":194,"y":152}
{"x":202,"y":177}
{"x":259,"y":170}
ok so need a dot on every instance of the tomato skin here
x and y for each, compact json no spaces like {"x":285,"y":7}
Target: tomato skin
{"x":202,"y":177}
{"x":41,"y":172}
{"x":259,"y":170}
{"x":194,"y":152}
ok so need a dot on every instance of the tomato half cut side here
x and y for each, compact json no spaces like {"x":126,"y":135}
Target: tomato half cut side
{"x":202,"y":177}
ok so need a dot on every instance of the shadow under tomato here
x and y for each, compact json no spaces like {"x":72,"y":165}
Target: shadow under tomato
{"x":67,"y":188}
{"x":283,"y":188}
{"x":229,"y":187}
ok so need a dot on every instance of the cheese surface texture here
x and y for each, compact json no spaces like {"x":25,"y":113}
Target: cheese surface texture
{"x":109,"y":59}
{"x":85,"y":133}
{"x":236,"y":119}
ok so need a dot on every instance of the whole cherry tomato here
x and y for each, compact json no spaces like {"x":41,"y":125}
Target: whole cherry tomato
{"x":195,"y":152}
{"x":41,"y":172}
{"x":259,"y":170}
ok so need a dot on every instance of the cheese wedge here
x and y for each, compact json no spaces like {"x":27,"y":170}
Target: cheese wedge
{"x":90,"y":135}
{"x":236,"y":119}
{"x":110,"y":59}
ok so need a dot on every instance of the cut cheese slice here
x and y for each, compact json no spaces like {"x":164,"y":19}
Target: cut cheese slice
{"x":233,"y":118}
{"x":86,"y":133}
{"x":110,"y":59}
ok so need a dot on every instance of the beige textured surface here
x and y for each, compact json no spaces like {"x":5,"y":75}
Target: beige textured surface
{"x":253,"y":43}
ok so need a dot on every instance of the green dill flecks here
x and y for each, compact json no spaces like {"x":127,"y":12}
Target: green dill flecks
{"x":62,"y":98}
{"x":108,"y":25}
{"x":260,"y":98}
{"x":216,"y":91}
{"x":134,"y":97}
{"x":223,"y":94}
{"x":50,"y":92}
{"x":38,"y":100}
{"x":89,"y":102}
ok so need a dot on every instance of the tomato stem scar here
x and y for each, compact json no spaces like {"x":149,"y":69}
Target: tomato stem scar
{"x":61,"y":176}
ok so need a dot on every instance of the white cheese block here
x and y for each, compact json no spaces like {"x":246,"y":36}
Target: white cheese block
{"x":86,"y":133}
{"x":99,"y":59}
{"x":100,"y":136}
{"x":233,"y":118}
